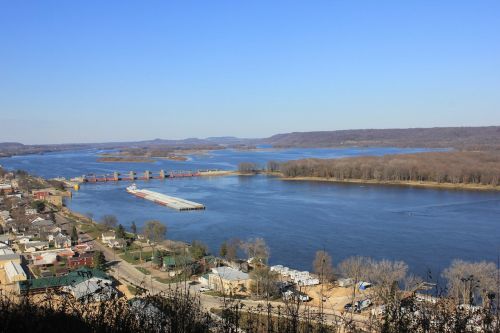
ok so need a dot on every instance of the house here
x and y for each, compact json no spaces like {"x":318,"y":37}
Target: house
{"x":4,"y":239}
{"x":30,"y":212}
{"x":228,"y":280}
{"x":61,"y":241}
{"x":45,"y":259}
{"x":14,"y":272}
{"x":6,"y":255}
{"x":41,"y":285}
{"x":108,"y":236}
{"x":40,"y":194}
{"x":41,"y":223}
{"x":179,"y":264}
{"x":36,"y":246}
{"x":119,"y":243}
{"x":92,"y":289}
{"x":84,"y":259}
{"x":6,"y":189}
{"x":83,"y":247}
{"x":24,"y":239}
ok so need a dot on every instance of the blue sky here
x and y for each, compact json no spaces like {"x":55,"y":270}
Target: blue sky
{"x":89,"y":71}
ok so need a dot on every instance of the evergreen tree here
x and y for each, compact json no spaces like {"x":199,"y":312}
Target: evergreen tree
{"x":120,"y":231}
{"x":74,"y":235}
{"x":157,"y":258}
{"x":133,"y":227}
{"x":99,"y":260}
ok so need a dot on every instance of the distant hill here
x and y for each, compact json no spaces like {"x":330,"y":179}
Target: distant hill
{"x":469,"y":138}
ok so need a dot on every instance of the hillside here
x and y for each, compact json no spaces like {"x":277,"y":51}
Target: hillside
{"x":467,"y":138}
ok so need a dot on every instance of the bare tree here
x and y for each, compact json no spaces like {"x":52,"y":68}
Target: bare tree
{"x":471,"y":282}
{"x":355,"y":268}
{"x":109,"y":221}
{"x":323,"y":266}
{"x":257,"y":250}
{"x":155,"y":231}
{"x":387,"y":275}
{"x":232,"y":249}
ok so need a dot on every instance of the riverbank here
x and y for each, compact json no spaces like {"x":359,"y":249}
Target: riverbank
{"x":449,"y":186}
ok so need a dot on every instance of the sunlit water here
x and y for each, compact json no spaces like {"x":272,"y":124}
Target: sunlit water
{"x":427,"y":228}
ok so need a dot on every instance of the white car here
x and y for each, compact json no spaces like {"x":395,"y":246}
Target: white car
{"x":202,"y":289}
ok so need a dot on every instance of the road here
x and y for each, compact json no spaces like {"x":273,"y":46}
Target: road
{"x":123,"y":271}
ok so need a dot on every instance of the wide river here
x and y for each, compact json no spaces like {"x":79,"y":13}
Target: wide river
{"x":427,"y":228}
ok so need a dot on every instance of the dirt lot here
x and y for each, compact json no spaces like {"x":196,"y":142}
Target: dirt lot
{"x":336,"y":297}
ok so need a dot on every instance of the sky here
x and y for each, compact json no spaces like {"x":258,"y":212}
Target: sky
{"x":96,"y":71}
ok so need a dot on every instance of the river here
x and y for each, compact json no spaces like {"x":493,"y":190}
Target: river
{"x":426,"y":228}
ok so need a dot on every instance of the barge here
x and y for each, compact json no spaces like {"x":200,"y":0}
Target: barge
{"x":165,"y":200}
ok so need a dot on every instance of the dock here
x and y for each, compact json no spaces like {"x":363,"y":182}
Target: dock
{"x":165,"y":200}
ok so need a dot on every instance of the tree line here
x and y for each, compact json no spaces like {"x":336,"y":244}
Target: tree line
{"x":440,"y":167}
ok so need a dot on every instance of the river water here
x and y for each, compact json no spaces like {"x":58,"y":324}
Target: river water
{"x":427,"y":228}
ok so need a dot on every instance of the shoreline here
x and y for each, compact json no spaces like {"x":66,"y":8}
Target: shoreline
{"x":446,"y":186}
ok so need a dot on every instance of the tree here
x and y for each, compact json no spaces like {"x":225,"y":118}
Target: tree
{"x":99,"y":260}
{"x":248,"y":167}
{"x":471,"y":282}
{"x":387,"y":275}
{"x":109,"y":221}
{"x":155,"y":232}
{"x":198,"y":249}
{"x":257,"y":250}
{"x":39,"y":205}
{"x":120,"y":231}
{"x":355,"y":268}
{"x":223,"y":250}
{"x":263,"y":281}
{"x":322,"y":266}
{"x":74,"y":235}
{"x":133,"y":228}
{"x":157,"y":258}
{"x":232,"y":249}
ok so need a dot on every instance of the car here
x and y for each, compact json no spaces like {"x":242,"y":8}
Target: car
{"x":202,"y":289}
{"x":348,"y":306}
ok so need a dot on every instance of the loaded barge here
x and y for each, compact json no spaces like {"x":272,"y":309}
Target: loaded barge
{"x":165,"y":200}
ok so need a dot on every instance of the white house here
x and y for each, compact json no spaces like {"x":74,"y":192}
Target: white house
{"x":61,"y":241}
{"x":108,"y":236}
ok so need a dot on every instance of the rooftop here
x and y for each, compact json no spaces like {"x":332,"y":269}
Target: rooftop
{"x":72,"y":278}
{"x":228,"y":273}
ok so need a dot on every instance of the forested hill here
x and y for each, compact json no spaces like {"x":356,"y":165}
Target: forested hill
{"x":466,"y":138}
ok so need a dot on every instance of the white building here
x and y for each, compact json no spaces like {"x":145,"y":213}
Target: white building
{"x":14,"y":272}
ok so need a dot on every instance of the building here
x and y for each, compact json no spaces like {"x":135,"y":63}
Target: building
{"x":40,"y":194}
{"x":45,"y":259}
{"x":61,"y":241}
{"x":36,"y":246}
{"x":119,"y":243}
{"x":229,"y":280}
{"x":57,"y":283}
{"x":4,"y":239}
{"x":84,"y":259}
{"x":6,"y":255}
{"x":108,"y":236}
{"x":41,"y":223}
{"x":14,"y":272}
{"x":93,"y":289}
{"x":6,"y":189}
